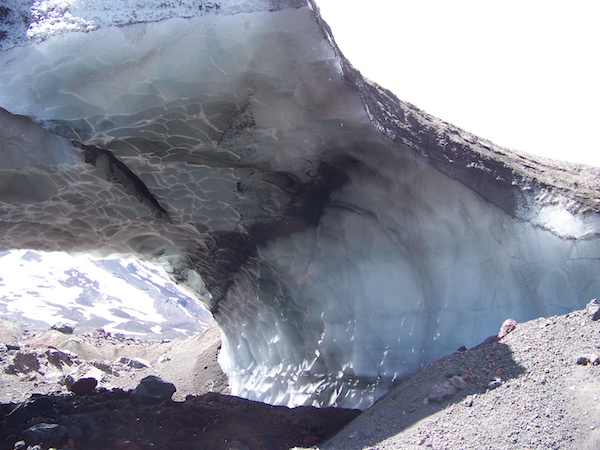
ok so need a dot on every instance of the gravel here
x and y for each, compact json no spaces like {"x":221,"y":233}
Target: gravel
{"x":538,"y":387}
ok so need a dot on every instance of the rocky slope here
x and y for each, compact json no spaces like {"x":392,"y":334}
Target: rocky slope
{"x":537,"y":387}
{"x":534,"y":386}
{"x":62,"y":390}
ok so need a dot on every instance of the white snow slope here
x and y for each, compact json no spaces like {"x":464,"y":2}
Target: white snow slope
{"x":128,"y":296}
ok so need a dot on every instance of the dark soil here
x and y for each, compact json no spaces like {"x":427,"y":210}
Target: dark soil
{"x":199,"y":416}
{"x":117,"y":420}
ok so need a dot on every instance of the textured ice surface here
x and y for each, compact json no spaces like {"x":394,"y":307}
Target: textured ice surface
{"x":342,"y":239}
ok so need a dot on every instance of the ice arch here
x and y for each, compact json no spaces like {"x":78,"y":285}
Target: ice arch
{"x":341,"y":237}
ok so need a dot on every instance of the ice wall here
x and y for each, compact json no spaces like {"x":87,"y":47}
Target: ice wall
{"x":341,"y":238}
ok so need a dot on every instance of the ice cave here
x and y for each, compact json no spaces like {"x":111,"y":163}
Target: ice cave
{"x":341,"y":237}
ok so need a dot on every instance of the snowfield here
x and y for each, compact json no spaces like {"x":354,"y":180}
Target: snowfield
{"x":125,"y":296}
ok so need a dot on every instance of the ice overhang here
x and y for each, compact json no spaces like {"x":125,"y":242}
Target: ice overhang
{"x":341,"y":237}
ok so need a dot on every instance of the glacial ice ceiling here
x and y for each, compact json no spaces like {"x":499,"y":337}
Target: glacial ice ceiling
{"x":341,"y":238}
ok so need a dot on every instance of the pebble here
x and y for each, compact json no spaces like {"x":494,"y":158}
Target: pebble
{"x":589,"y":359}
{"x":495,"y":383}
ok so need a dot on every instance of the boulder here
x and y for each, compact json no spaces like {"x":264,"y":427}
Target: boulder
{"x":64,"y":328}
{"x":154,"y":387}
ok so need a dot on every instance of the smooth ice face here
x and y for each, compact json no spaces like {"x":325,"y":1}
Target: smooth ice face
{"x":341,"y":238}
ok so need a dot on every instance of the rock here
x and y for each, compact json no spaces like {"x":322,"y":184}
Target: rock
{"x":507,"y":326}
{"x":452,"y":372}
{"x":442,"y":391}
{"x":134,"y":363}
{"x":446,"y":390}
{"x":593,"y":309}
{"x":100,"y":333}
{"x":60,"y":358}
{"x":82,"y":386}
{"x":468,"y":401}
{"x":49,"y":434}
{"x":154,"y":387}
{"x":458,"y":383}
{"x":497,"y":382}
{"x":83,"y":379}
{"x":589,"y":359}
{"x":82,"y":425}
{"x":25,"y":362}
{"x":63,"y":327}
{"x":34,"y":406}
{"x":104,"y":366}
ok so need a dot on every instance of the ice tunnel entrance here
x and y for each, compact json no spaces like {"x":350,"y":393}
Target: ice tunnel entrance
{"x":345,"y":237}
{"x":123,"y":296}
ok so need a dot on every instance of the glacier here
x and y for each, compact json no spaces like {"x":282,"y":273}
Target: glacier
{"x":341,"y":238}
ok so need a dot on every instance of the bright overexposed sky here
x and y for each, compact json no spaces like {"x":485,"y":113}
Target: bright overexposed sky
{"x":524,"y":74}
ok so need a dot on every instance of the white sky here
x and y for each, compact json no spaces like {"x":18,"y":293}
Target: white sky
{"x":524,"y":74}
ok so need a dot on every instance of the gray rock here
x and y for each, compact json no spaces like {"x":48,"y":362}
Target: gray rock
{"x":589,"y":359}
{"x":50,"y":434}
{"x":442,"y":391}
{"x":24,"y":362}
{"x":82,"y":386}
{"x":507,"y":326}
{"x":497,"y":382}
{"x":63,"y":327}
{"x":35,"y":406}
{"x":104,"y":366}
{"x":134,"y":363}
{"x":593,"y":309}
{"x":60,"y":358}
{"x":458,"y":383}
{"x":468,"y":401}
{"x":154,"y":387}
{"x":83,"y":379}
